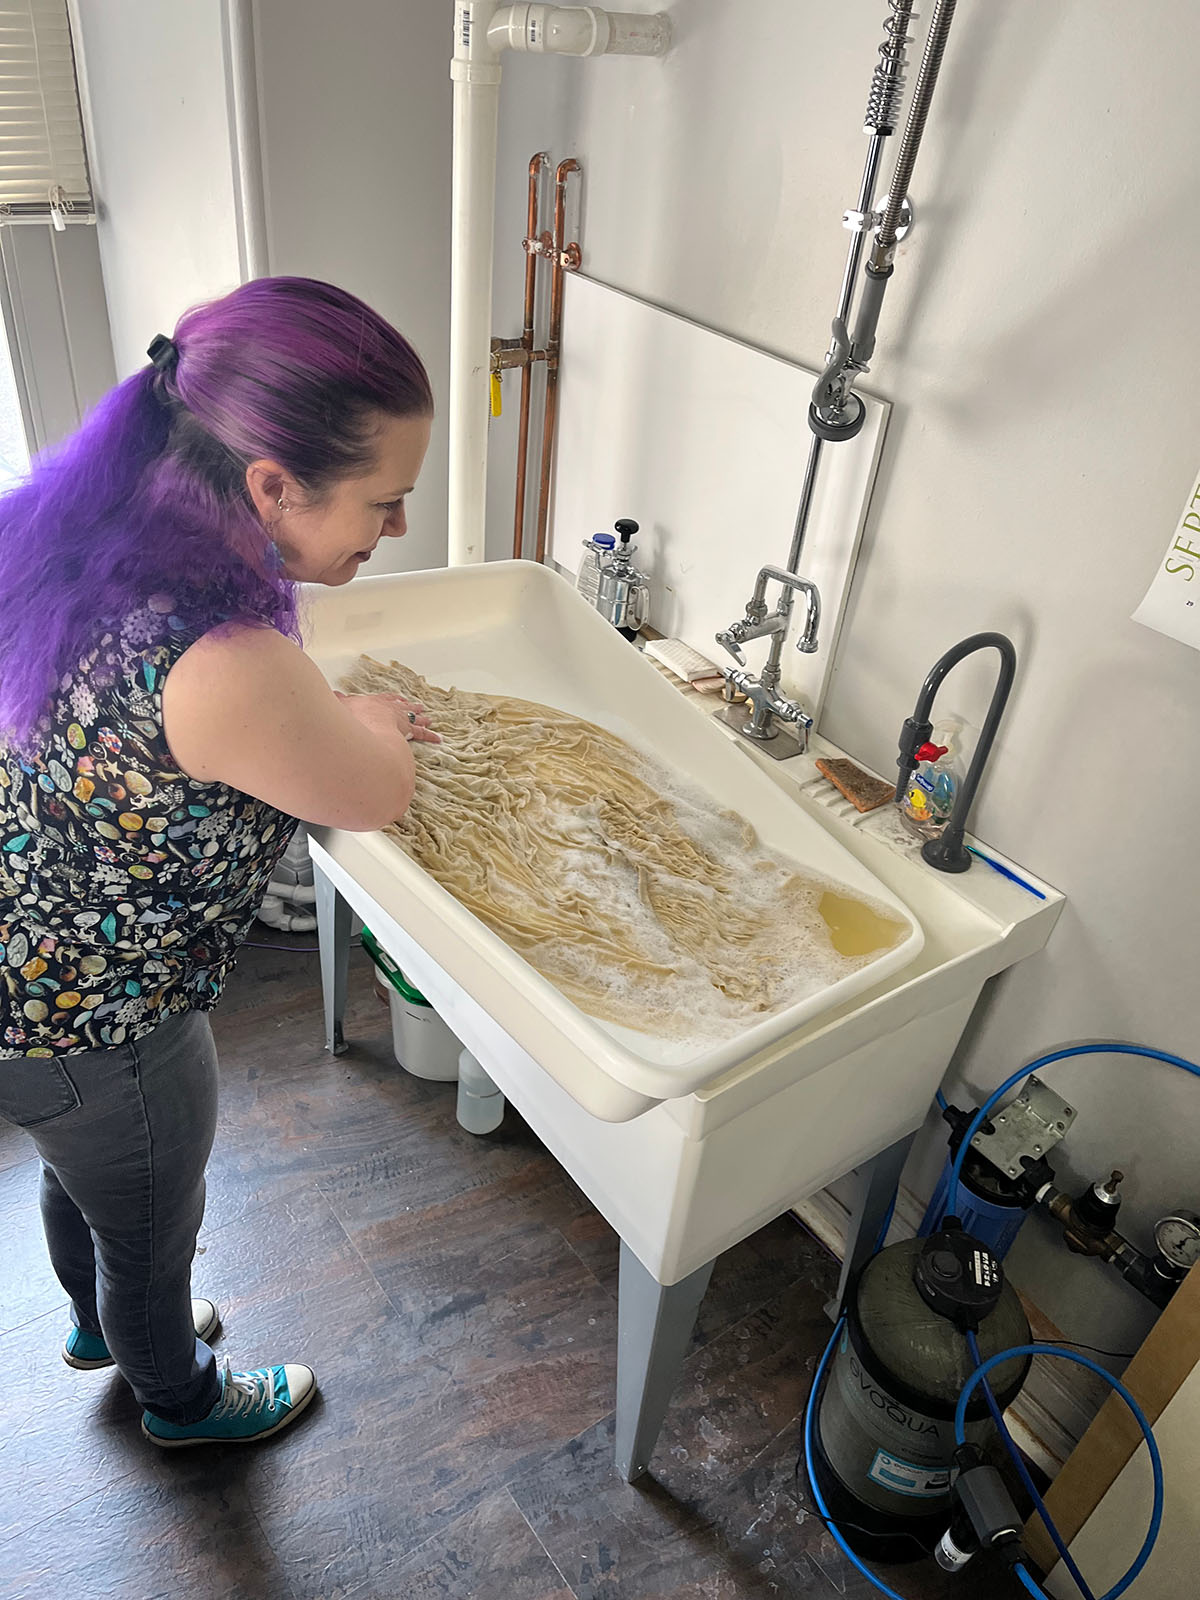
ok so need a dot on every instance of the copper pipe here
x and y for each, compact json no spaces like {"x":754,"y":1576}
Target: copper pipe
{"x":564,"y":255}
{"x":536,"y":164}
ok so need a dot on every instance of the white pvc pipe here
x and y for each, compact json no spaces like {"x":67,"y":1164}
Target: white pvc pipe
{"x":476,"y":74}
{"x":482,"y":28}
{"x":237,"y":28}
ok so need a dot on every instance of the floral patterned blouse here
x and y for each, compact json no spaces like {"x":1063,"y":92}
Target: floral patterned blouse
{"x":126,"y":887}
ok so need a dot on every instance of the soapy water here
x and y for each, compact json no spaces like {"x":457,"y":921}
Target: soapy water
{"x":833,"y":932}
{"x":620,"y":881}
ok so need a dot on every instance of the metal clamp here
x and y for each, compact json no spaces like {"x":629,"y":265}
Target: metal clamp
{"x":868,"y":221}
{"x":1027,"y":1127}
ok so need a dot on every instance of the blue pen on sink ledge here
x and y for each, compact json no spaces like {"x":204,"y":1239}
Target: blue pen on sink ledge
{"x":1005,"y":872}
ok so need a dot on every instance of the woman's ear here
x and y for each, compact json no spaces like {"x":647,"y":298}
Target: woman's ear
{"x":268,"y":485}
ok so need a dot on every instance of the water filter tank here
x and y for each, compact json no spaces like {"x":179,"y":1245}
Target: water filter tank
{"x":884,"y":1437}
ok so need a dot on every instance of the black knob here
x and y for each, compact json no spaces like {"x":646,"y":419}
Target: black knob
{"x":944,"y":1264}
{"x":626,"y":527}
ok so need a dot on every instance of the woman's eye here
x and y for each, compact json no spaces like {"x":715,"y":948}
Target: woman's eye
{"x":391,"y":506}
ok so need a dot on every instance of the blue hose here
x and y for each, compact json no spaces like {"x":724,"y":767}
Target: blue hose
{"x":1027,"y":1582}
{"x":809,"y":1414}
{"x":1022,"y":1470}
{"x":942,"y":1103}
{"x":960,"y":1419}
{"x":981,"y":1116}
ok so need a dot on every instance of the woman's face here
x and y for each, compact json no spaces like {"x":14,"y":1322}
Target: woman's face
{"x":327,"y":539}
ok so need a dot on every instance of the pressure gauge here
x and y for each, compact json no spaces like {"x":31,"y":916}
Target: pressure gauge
{"x":1178,"y":1239}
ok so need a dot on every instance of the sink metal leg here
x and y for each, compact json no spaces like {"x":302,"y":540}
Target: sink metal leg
{"x":333,"y":936}
{"x":881,"y":1177}
{"x":654,"y":1328}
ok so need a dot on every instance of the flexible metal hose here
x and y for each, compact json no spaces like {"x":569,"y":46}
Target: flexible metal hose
{"x":918,"y":111}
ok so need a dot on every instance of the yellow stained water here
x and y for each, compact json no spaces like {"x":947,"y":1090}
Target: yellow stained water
{"x":855,"y":928}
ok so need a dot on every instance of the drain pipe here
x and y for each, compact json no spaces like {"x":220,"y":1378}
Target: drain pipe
{"x":483,"y":29}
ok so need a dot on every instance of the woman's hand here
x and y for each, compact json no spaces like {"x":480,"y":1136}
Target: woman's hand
{"x":409,"y":718}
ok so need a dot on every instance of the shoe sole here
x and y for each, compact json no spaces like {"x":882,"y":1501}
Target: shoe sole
{"x":205,"y":1334}
{"x":254,"y":1438}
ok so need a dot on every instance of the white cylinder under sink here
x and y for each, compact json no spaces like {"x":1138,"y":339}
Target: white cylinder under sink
{"x":480,"y":1103}
{"x":482,"y":28}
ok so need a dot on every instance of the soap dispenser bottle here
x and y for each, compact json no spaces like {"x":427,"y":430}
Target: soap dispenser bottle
{"x":932,"y":788}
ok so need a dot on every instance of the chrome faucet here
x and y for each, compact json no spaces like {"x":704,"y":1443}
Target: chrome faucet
{"x":836,"y":414}
{"x":767,"y":705}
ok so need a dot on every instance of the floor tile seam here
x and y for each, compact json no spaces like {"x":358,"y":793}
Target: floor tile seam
{"x":587,"y":1267}
{"x":38,"y":1316}
{"x":59,"y":1511}
{"x":350,"y":1240}
{"x":206,"y":1232}
{"x":414,"y":1549}
{"x":540,"y":1543}
{"x":290,"y":1590}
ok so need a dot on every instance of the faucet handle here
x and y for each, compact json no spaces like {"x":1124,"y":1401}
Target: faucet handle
{"x":729,"y":642}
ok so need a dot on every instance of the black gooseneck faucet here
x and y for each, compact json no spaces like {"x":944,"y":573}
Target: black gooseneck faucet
{"x":947,"y":852}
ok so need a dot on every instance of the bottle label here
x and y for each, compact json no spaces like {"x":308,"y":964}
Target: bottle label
{"x":922,"y":782}
{"x":908,"y":1477}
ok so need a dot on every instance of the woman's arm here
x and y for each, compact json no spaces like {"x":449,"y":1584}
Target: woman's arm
{"x":247,"y":707}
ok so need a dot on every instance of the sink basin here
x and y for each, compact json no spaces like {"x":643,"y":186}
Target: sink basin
{"x":519,"y":629}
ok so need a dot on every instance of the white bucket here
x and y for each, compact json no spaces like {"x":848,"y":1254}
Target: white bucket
{"x":424,"y":1045}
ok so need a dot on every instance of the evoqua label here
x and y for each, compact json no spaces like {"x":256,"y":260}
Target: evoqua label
{"x":891,"y":1408}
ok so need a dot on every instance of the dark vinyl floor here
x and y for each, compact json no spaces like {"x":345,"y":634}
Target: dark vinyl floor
{"x":456,"y":1297}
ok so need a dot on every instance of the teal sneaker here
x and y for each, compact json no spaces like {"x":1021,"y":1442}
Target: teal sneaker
{"x":88,"y":1351}
{"x":253,"y":1405}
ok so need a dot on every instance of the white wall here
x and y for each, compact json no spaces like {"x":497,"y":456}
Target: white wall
{"x":163,"y":160}
{"x":354,"y":102}
{"x":354,"y":135}
{"x":1036,"y":344}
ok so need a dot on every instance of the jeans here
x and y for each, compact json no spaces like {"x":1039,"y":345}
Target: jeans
{"x":124,"y":1135}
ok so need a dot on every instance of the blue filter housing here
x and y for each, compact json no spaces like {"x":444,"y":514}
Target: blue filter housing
{"x":995,"y":1219}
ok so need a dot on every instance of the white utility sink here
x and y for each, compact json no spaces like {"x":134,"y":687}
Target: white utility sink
{"x":684,"y":1155}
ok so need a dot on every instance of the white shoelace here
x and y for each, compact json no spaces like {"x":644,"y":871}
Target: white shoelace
{"x":244,"y":1392}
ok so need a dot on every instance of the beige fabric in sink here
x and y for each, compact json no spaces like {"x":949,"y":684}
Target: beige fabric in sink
{"x":635,"y":895}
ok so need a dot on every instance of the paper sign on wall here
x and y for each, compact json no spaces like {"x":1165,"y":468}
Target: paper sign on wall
{"x":1172,"y":603}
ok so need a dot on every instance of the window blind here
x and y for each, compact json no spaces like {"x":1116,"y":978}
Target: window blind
{"x":43,"y":163}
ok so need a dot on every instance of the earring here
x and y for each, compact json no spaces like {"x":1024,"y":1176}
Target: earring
{"x":281,"y":505}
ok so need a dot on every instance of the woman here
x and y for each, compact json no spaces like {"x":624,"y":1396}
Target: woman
{"x":161,"y":732}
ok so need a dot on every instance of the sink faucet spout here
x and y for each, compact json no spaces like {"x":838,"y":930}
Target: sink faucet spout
{"x":947,"y":852}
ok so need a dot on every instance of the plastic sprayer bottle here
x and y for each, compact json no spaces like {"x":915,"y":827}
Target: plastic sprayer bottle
{"x":933,"y":787}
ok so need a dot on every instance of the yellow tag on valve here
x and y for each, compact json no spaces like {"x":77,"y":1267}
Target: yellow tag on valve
{"x":495,"y":394}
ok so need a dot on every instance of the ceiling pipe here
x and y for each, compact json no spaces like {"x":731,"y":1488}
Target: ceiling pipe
{"x":482,"y":30}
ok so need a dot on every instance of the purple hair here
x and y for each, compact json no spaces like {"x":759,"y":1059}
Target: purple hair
{"x":150,"y":494}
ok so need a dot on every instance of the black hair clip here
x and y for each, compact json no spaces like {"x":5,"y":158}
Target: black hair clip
{"x":164,"y":353}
